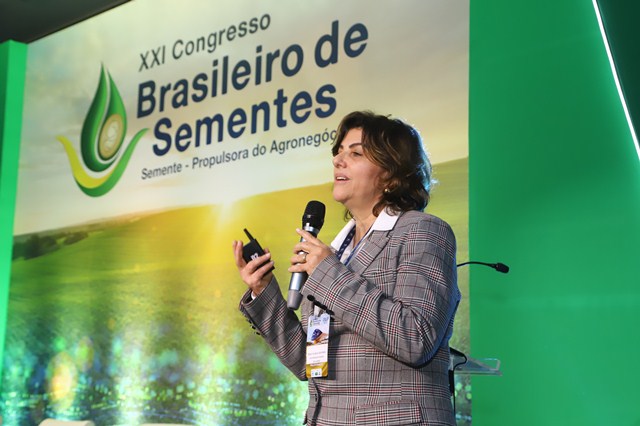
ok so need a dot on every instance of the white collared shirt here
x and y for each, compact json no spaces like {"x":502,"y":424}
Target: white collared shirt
{"x":385,"y":221}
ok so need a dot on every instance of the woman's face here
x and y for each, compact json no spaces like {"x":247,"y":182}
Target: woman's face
{"x":355,"y":177}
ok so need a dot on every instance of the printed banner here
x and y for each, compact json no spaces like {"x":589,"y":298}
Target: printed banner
{"x":153,"y":135}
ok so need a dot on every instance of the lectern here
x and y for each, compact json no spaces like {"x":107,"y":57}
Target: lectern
{"x":459,"y":363}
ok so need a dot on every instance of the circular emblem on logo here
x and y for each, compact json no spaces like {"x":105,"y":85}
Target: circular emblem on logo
{"x":111,"y":137}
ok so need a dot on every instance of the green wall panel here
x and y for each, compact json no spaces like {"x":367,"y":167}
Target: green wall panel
{"x":555,"y":194}
{"x":620,"y":19}
{"x":12,"y":73}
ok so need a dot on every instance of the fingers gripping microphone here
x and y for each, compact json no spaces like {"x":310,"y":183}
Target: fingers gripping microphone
{"x":312,"y":221}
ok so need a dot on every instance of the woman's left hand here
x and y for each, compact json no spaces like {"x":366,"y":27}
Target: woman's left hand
{"x":313,"y":251}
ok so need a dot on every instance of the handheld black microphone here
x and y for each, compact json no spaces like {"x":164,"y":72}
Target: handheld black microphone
{"x":312,"y":221}
{"x":500,"y":267}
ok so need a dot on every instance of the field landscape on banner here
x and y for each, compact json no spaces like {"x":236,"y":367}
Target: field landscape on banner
{"x":135,"y":319}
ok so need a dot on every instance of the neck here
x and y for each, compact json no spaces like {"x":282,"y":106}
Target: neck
{"x":363,"y":223}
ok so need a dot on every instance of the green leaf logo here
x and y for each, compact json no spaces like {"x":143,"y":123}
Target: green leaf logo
{"x":101,"y":142}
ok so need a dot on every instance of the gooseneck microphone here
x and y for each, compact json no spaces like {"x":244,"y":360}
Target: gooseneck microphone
{"x":500,"y":267}
{"x":312,"y":221}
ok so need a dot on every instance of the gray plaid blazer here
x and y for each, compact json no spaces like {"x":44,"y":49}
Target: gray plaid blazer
{"x":393,"y":308}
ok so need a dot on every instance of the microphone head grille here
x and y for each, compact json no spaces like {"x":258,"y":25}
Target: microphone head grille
{"x":314,"y":214}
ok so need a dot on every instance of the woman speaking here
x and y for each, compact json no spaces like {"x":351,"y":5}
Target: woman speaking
{"x":379,"y":302}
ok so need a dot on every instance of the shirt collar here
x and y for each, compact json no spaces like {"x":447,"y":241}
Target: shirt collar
{"x":385,"y":221}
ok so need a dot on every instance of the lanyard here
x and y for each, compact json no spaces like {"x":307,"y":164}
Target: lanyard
{"x":346,"y":243}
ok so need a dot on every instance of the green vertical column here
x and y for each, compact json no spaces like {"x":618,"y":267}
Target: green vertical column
{"x":13,"y":58}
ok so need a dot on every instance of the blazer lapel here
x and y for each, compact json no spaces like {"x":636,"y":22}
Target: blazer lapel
{"x":374,"y":244}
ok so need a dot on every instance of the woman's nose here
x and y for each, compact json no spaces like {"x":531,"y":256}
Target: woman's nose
{"x":338,"y":160}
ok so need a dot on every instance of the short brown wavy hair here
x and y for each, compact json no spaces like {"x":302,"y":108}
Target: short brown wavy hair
{"x":396,"y":147}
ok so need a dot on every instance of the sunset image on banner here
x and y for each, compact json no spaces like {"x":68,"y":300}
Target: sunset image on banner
{"x":160,"y":132}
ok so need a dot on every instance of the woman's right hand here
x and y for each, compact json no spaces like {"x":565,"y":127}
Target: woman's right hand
{"x":255,"y":275}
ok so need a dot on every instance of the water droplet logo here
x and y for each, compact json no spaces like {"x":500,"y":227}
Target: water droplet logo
{"x":101,"y":141}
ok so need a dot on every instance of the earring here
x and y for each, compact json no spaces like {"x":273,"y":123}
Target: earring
{"x":386,"y":191}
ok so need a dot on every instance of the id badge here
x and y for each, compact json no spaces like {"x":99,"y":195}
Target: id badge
{"x":318,"y":346}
